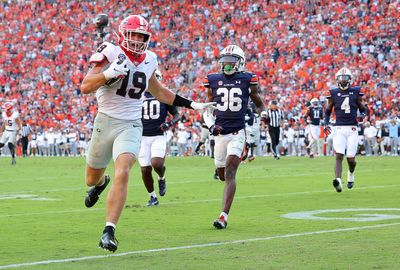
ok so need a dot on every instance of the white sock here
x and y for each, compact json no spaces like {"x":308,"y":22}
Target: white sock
{"x":110,"y":224}
{"x":153,"y":194}
{"x":102,"y":181}
{"x":225,"y":215}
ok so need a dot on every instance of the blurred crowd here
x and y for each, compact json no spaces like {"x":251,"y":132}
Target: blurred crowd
{"x":295,"y":47}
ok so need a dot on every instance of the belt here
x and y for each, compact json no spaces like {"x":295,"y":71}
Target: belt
{"x":9,"y":130}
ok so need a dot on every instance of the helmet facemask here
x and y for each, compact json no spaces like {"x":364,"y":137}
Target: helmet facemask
{"x":230,"y":64}
{"x":343,"y":81}
{"x":130,"y":42}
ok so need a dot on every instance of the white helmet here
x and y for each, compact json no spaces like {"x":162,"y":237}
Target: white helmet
{"x":158,"y":74}
{"x":232,"y":59}
{"x":314,"y":102}
{"x":344,"y":78}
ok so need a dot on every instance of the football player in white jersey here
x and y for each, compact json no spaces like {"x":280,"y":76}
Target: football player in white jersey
{"x":119,"y":77}
{"x":9,"y":129}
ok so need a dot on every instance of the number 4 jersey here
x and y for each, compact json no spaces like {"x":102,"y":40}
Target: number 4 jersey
{"x":345,"y":105}
{"x":123,"y":99}
{"x":231,"y":93}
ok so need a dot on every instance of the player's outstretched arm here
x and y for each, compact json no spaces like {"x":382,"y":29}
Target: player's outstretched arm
{"x":166,"y":96}
{"x":255,"y":96}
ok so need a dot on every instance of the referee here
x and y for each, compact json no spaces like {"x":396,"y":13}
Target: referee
{"x":25,"y":131}
{"x":274,"y":117}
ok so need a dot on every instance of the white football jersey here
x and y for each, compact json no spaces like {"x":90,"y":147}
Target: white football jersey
{"x":123,"y":100}
{"x":10,"y":122}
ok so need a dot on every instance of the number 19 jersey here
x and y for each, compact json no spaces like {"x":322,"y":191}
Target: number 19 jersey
{"x":123,"y":99}
{"x":231,"y":93}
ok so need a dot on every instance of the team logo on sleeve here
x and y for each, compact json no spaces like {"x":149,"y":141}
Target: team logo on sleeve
{"x":220,"y":83}
{"x":121,"y":58}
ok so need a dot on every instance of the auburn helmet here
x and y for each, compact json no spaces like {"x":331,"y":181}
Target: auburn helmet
{"x":232,"y":59}
{"x":131,"y":25}
{"x":315,"y":102}
{"x":344,"y":78}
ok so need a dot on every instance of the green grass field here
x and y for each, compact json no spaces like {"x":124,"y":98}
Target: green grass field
{"x":44,"y":224}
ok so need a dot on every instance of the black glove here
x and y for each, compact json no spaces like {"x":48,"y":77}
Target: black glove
{"x":165,"y":126}
{"x":215,"y":130}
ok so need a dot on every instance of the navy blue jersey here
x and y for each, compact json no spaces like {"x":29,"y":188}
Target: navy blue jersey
{"x":231,"y":93}
{"x":315,"y":115}
{"x":345,"y":105}
{"x":154,"y":114}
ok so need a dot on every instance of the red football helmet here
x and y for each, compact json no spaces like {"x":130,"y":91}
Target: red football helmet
{"x":134,"y":24}
{"x":8,"y":107}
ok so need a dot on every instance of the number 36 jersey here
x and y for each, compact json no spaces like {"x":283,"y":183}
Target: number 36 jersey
{"x":345,"y":105}
{"x":123,"y":99}
{"x":231,"y":93}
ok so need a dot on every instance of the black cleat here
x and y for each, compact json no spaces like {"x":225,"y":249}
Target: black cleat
{"x":152,"y":202}
{"x":350,"y":185}
{"x":220,"y":223}
{"x":93,"y":194}
{"x":216,"y":177}
{"x":108,"y":241}
{"x":337,"y":185}
{"x":162,"y":187}
{"x":13,"y":162}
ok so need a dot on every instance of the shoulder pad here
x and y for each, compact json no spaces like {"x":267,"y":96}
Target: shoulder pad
{"x":254,"y":79}
{"x":107,"y":50}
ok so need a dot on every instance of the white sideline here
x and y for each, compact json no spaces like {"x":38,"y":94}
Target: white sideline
{"x":194,"y":246}
{"x":196,"y":201}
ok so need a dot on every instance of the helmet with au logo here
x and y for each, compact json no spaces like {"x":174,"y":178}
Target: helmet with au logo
{"x":131,"y":26}
{"x":232,"y":59}
{"x":344,"y":78}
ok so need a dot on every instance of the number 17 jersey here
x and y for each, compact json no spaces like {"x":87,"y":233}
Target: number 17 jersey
{"x":231,"y":93}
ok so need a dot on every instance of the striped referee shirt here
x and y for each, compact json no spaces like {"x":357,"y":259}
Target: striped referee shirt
{"x":25,"y":130}
{"x":275,"y":117}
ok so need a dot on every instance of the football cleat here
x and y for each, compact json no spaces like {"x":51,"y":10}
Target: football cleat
{"x":13,"y":162}
{"x":251,"y":158}
{"x":350,"y":180}
{"x":220,"y":223}
{"x":162,"y":187}
{"x":276,"y":157}
{"x":337,"y":184}
{"x":152,"y":202}
{"x":108,"y":242}
{"x":93,"y":194}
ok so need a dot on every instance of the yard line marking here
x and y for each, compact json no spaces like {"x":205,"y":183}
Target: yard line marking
{"x":195,"y":201}
{"x":213,"y":244}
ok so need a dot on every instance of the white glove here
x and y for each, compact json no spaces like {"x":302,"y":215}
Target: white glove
{"x":117,"y":69}
{"x":202,"y":106}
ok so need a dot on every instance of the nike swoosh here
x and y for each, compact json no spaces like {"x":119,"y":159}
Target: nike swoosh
{"x":146,"y":63}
